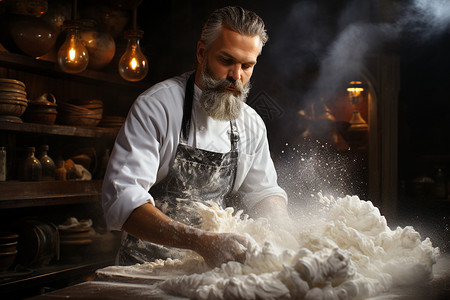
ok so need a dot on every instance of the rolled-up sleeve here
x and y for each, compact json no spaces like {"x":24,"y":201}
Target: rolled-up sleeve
{"x":136,"y":160}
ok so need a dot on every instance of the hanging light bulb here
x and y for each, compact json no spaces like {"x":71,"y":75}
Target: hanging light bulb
{"x":133,"y":65}
{"x":73,"y":57}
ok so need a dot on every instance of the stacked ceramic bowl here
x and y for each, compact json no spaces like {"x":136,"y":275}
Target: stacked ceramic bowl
{"x":112,"y":122}
{"x":88,"y":115}
{"x":8,"y":249}
{"x":74,"y":242}
{"x":13,"y":100}
{"x":94,"y":105}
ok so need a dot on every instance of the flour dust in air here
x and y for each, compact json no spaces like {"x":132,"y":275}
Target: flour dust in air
{"x":349,"y":252}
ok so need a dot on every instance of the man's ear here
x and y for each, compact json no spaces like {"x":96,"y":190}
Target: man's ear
{"x":201,"y":52}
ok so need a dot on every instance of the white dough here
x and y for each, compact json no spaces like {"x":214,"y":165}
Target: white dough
{"x":347,"y":253}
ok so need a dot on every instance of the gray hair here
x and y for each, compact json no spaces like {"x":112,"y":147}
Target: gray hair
{"x":236,"y":19}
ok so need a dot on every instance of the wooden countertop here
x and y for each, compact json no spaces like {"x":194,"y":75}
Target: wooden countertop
{"x":102,"y":290}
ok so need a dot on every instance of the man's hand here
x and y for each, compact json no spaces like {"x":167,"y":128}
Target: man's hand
{"x":219,"y":248}
{"x":149,"y":223}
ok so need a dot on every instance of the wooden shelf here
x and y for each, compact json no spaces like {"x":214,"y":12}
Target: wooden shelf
{"x":17,"y":194}
{"x":57,"y":199}
{"x":93,"y":132}
{"x":43,"y":67}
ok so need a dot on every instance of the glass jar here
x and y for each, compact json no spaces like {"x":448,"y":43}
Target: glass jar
{"x":48,"y":165}
{"x":31,"y":168}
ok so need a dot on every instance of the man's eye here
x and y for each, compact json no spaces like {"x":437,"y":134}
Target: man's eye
{"x":244,"y":66}
{"x":226,"y":61}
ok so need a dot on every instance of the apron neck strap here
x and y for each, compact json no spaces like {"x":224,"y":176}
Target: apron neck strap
{"x":234,"y":135}
{"x":187,"y":107}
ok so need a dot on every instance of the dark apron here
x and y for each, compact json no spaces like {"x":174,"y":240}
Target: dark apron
{"x":195,"y":176}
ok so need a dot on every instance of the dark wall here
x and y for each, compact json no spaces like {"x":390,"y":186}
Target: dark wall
{"x":424,"y":107}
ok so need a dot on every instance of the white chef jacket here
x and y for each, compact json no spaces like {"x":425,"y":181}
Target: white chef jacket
{"x":146,"y":146}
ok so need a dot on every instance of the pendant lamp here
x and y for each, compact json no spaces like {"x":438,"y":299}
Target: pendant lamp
{"x":73,"y":56}
{"x":133,"y":65}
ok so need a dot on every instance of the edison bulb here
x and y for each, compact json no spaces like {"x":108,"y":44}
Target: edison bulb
{"x":73,"y":57}
{"x":133,"y":65}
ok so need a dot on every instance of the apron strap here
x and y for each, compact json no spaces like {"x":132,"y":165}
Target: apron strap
{"x":187,"y":108}
{"x":234,"y":135}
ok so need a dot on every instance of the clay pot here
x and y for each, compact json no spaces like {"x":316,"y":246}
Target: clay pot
{"x":28,"y":35}
{"x":42,"y":110}
{"x":100,"y":46}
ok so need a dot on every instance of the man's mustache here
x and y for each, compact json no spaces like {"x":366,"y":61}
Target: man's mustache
{"x":228,"y":85}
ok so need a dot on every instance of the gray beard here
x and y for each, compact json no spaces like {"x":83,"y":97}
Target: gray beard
{"x":220,"y":103}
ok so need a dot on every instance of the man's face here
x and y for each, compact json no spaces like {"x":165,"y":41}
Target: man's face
{"x":232,"y":55}
{"x":224,"y":73}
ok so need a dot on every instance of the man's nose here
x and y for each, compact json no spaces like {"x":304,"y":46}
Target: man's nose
{"x":235,"y":72}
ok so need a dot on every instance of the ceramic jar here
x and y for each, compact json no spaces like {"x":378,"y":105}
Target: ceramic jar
{"x":42,"y":110}
{"x":29,"y":35}
{"x":100,"y":46}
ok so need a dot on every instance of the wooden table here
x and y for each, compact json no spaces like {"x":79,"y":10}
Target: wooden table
{"x":102,"y":290}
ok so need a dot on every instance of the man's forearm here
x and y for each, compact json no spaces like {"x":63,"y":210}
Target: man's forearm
{"x":149,"y":223}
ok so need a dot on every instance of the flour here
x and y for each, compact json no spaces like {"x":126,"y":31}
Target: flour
{"x":349,"y":252}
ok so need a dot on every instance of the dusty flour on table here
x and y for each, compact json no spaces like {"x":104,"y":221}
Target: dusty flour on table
{"x":347,"y":253}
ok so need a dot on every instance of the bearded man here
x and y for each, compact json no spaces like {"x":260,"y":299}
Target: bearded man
{"x":192,"y":139}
